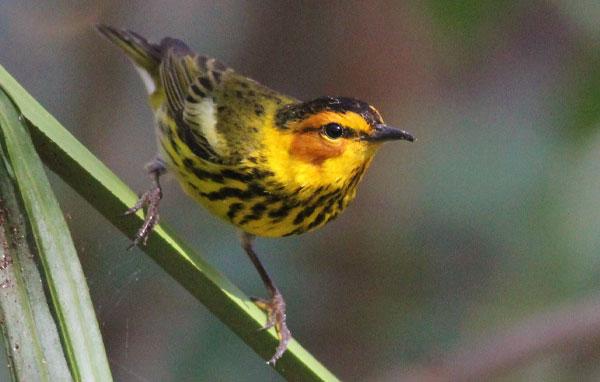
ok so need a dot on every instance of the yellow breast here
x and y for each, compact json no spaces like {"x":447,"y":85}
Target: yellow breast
{"x":250,"y":195}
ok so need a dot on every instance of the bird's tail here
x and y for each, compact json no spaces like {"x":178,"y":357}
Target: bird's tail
{"x":145,"y":55}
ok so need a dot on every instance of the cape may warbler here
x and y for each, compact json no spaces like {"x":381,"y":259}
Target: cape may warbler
{"x":265,"y":162}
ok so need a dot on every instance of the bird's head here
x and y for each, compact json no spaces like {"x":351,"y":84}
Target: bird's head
{"x":329,"y":139}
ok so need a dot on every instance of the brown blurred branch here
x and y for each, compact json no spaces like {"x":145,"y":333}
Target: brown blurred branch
{"x":563,"y":329}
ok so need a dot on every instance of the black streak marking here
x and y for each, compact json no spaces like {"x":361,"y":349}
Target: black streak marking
{"x":186,"y":135}
{"x":162,"y":143}
{"x":318,"y":220}
{"x":191,"y":99}
{"x":197,"y":91}
{"x":202,"y":174}
{"x":257,"y":211}
{"x":260,"y":174}
{"x":228,"y":173}
{"x":231,"y":192}
{"x":234,"y":209}
{"x":172,"y":141}
{"x":303,"y":214}
{"x":281,"y":212}
{"x":206,"y":83}
{"x":297,"y":231}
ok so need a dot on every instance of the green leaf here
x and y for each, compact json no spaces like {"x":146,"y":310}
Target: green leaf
{"x":30,"y":334}
{"x":34,"y":229}
{"x":110,"y":196}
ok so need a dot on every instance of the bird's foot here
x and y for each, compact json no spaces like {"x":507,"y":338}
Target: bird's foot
{"x":275,"y":308}
{"x":149,"y":201}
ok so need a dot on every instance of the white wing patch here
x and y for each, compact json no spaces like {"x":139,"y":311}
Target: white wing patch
{"x":204,"y":115}
{"x":148,"y":81}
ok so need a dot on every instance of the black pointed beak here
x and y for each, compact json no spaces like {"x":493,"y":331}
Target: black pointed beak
{"x":383,"y":133}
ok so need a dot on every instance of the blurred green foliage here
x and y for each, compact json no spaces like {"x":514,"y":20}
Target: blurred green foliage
{"x":464,"y":20}
{"x":585,"y":115}
{"x":490,"y":217}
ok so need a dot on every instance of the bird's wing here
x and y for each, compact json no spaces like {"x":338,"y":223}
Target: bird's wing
{"x":190,"y":81}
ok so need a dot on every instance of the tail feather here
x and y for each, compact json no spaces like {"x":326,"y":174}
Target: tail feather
{"x":143,"y":53}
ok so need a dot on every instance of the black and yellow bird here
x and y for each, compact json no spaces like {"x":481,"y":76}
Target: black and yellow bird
{"x":265,"y":162}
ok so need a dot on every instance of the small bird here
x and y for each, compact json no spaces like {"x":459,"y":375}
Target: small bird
{"x":265,"y":162}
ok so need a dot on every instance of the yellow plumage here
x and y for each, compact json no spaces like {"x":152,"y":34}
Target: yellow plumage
{"x":268,"y":163}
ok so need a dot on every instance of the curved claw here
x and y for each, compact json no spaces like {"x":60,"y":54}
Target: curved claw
{"x":276,"y":317}
{"x":264,"y":305}
{"x":269,"y":324}
{"x":151,"y":200}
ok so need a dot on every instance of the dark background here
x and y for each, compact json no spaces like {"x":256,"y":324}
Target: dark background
{"x":490,"y":217}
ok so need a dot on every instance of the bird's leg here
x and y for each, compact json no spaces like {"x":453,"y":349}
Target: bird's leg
{"x":149,"y":201}
{"x":275,"y":306}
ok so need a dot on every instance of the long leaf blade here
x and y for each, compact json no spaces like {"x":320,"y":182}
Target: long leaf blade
{"x":62,"y":271}
{"x":30,"y":333}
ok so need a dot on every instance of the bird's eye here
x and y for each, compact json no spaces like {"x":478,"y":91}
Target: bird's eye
{"x":333,"y":130}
